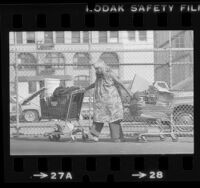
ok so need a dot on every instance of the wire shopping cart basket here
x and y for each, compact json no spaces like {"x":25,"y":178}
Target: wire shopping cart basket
{"x":64,"y":107}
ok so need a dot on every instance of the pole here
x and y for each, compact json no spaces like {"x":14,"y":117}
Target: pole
{"x":90,"y":74}
{"x":170,"y":59}
{"x":170,"y":77}
{"x":16,"y":85}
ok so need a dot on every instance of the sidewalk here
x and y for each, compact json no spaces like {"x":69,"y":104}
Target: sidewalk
{"x":105,"y":146}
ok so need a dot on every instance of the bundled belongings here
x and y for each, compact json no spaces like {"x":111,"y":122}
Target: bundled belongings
{"x":64,"y":104}
{"x":150,"y":103}
{"x":63,"y":91}
{"x":148,"y":100}
{"x":56,"y":106}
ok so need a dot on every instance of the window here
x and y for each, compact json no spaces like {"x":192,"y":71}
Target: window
{"x":27,"y":58}
{"x":103,"y":37}
{"x":85,"y":36}
{"x":84,"y":78}
{"x":178,"y":41}
{"x":19,"y":38}
{"x":182,"y":56}
{"x":114,"y":36}
{"x":82,"y":81}
{"x":30,"y":37}
{"x":131,"y":35}
{"x":142,"y":35}
{"x":60,"y":37}
{"x":184,"y":71}
{"x":81,"y":59}
{"x":12,"y":88}
{"x":75,"y":37}
{"x":32,"y":87}
{"x":62,"y":83}
{"x":48,"y":37}
{"x":54,"y":59}
{"x":41,"y":84}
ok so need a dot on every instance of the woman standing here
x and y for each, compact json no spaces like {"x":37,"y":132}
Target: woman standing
{"x":108,"y":106}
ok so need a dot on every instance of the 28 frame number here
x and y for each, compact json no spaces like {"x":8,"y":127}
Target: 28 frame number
{"x":156,"y":175}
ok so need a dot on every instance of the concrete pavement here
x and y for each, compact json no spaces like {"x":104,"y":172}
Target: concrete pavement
{"x":41,"y":146}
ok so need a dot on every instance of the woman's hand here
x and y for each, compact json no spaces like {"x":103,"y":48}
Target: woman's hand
{"x":90,"y":87}
{"x":130,"y":94}
{"x":82,"y":89}
{"x":136,"y":96}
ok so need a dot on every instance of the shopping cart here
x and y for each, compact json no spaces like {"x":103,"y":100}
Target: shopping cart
{"x":157,"y":113}
{"x":65,"y":109}
{"x":157,"y":126}
{"x":154,"y":111}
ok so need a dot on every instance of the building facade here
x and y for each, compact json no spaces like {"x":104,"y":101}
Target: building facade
{"x":176,"y":62}
{"x":44,"y":54}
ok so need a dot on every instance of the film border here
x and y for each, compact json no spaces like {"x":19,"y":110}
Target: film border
{"x":26,"y":19}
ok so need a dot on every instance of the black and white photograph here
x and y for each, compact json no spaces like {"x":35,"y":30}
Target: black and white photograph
{"x":125,"y":92}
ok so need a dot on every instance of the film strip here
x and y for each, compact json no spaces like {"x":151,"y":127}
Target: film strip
{"x":26,"y":155}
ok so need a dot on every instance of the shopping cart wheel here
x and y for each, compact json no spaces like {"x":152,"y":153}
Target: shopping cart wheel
{"x":84,"y":136}
{"x":142,"y":138}
{"x":54,"y":137}
{"x":175,"y":138}
{"x":73,"y":138}
{"x":162,"y":137}
{"x":51,"y":137}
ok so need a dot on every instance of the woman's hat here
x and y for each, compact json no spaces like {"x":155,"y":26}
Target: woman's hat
{"x":99,"y":63}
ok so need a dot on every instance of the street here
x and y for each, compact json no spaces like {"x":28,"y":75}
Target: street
{"x":33,"y":142}
{"x":42,"y":146}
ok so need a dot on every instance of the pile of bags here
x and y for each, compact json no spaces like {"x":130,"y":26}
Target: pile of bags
{"x":149,"y":101}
